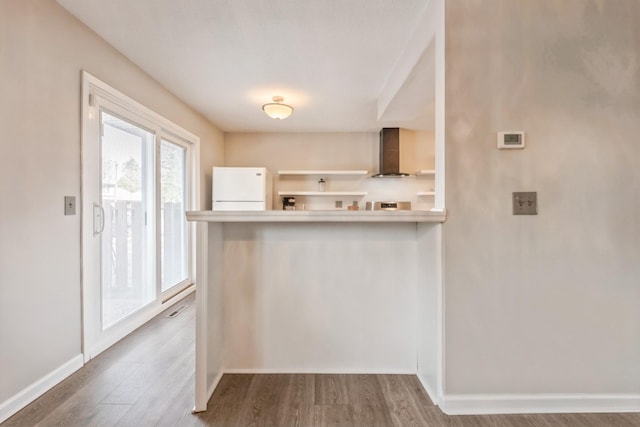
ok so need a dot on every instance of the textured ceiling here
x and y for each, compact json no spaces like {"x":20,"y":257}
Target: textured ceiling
{"x":329,"y":59}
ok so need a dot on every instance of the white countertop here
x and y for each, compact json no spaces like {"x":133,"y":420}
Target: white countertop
{"x":316,"y":216}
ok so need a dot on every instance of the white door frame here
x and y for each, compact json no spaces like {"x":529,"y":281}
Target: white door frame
{"x":94,"y":94}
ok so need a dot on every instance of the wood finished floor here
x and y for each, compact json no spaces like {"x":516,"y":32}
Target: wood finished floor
{"x":147,"y":379}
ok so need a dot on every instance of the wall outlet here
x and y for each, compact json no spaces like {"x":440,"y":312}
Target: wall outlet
{"x":338,"y":204}
{"x":69,"y":205}
{"x":525,"y":203}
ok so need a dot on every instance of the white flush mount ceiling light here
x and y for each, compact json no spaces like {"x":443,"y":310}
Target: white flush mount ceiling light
{"x":277,"y":110}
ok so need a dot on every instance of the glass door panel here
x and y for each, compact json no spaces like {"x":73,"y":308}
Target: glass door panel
{"x":173,"y":225}
{"x":127,"y":242}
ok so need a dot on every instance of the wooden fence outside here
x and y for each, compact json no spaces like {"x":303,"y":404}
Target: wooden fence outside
{"x":124,"y":252}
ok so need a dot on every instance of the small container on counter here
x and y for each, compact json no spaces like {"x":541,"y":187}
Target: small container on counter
{"x":354,"y":206}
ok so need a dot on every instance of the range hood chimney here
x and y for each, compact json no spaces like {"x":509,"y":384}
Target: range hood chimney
{"x":390,"y":154}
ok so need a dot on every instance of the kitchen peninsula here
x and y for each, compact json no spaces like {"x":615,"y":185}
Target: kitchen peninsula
{"x":316,"y":291}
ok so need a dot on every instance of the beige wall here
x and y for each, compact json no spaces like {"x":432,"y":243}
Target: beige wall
{"x":339,"y":150}
{"x":546,"y":303}
{"x":42,"y":52}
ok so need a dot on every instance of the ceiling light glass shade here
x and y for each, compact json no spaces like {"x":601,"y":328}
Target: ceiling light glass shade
{"x":277,"y":110}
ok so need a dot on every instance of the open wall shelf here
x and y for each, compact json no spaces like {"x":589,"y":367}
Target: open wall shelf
{"x":323,"y":172}
{"x":322,"y":193}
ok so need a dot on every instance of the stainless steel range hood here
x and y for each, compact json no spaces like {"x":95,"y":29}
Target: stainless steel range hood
{"x":390,"y":154}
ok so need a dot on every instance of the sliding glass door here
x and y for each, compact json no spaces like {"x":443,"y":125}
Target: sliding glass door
{"x":174,"y":246}
{"x":138,"y":181}
{"x":127,"y":241}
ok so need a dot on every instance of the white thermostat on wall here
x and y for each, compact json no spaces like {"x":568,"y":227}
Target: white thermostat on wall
{"x":510,"y":140}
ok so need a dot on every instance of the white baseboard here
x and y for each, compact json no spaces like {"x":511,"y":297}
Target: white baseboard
{"x":319,"y":371}
{"x":431,"y":390}
{"x":212,"y":388}
{"x":471,"y":404}
{"x":214,"y":384}
{"x":32,"y":392}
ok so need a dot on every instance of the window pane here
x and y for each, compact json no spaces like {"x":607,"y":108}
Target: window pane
{"x":173,"y":224}
{"x":127,"y":239}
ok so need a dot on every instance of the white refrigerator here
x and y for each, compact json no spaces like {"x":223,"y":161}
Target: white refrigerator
{"x":241,"y":189}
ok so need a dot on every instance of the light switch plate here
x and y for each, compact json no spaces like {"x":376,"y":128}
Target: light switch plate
{"x":525,"y":203}
{"x":69,"y":205}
